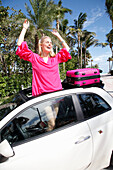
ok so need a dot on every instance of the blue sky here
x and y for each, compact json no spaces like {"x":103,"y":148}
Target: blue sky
{"x":97,"y":21}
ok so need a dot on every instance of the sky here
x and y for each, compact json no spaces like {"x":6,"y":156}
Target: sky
{"x":97,"y":21}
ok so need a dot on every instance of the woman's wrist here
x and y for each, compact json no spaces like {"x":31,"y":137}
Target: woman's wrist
{"x":24,"y":28}
{"x":61,"y":39}
{"x":62,"y":42}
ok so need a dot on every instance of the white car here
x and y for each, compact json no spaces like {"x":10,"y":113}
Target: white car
{"x":65,"y":130}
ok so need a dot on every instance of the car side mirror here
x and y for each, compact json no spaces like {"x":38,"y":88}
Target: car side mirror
{"x":5,"y":149}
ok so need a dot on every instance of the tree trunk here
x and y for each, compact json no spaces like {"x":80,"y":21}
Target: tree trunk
{"x":64,"y":67}
{"x":56,"y":49}
{"x":112,"y":55}
{"x":85,"y":59}
{"x":91,"y":63}
{"x":57,"y":25}
{"x":78,"y":51}
{"x":36,"y":43}
{"x":81,"y":54}
{"x":4,"y":68}
{"x":109,"y":66}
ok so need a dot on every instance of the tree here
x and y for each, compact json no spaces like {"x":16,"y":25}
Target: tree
{"x":41,"y":18}
{"x":88,"y":40}
{"x":109,"y":9}
{"x":59,"y":16}
{"x":110,"y":59}
{"x":77,"y":29}
{"x":9,"y":32}
{"x":91,"y":63}
{"x":11,"y":74}
{"x":60,"y":13}
{"x":109,"y":42}
{"x":64,"y":26}
{"x":63,"y":31}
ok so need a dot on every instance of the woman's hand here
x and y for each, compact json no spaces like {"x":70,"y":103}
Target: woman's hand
{"x":22,"y":34}
{"x":55,"y":32}
{"x":64,"y":44}
{"x":26,"y":24}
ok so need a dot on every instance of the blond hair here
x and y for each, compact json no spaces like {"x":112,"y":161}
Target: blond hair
{"x":52,"y":54}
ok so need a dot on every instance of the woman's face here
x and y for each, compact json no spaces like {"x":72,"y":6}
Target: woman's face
{"x":46,"y":45}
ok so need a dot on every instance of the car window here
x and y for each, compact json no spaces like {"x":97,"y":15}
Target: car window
{"x":92,"y":104}
{"x":40,"y":118}
{"x":9,"y":105}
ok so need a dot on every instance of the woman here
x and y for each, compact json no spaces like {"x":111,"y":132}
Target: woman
{"x":45,"y":64}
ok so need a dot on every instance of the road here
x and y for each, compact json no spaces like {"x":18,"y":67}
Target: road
{"x":108,"y":83}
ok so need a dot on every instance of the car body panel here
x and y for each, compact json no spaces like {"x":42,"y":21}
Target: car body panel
{"x":59,"y":150}
{"x":79,"y":145}
{"x":102,"y":139}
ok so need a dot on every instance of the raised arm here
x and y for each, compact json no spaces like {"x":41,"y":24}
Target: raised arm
{"x":64,"y":44}
{"x":22,"y":34}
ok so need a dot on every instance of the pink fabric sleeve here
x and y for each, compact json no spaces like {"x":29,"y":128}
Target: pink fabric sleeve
{"x":24,"y":52}
{"x":63,"y":55}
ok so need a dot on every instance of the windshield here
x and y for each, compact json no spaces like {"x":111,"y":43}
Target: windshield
{"x":10,"y":104}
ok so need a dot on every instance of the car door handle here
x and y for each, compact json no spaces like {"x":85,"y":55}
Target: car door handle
{"x":82,"y":139}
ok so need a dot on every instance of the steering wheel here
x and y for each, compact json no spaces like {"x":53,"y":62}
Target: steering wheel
{"x":23,"y":135}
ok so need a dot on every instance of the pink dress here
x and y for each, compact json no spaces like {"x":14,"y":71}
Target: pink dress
{"x":45,"y":75}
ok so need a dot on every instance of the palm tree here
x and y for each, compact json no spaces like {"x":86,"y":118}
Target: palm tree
{"x":109,"y":42}
{"x":110,"y":59}
{"x":91,"y":62}
{"x":89,"y":40}
{"x":109,"y":9}
{"x":77,"y":29}
{"x":41,"y":18}
{"x":60,"y":13}
{"x":86,"y":53}
{"x":63,"y":28}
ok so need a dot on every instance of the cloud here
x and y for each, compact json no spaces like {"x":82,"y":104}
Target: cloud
{"x":102,"y":62}
{"x":96,"y":14}
{"x":102,"y":29}
{"x":102,"y":59}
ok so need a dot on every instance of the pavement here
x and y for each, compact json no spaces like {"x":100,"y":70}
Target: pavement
{"x":108,"y":82}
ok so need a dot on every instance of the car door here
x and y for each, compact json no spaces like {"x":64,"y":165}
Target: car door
{"x":99,"y":115}
{"x":66,"y":145}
